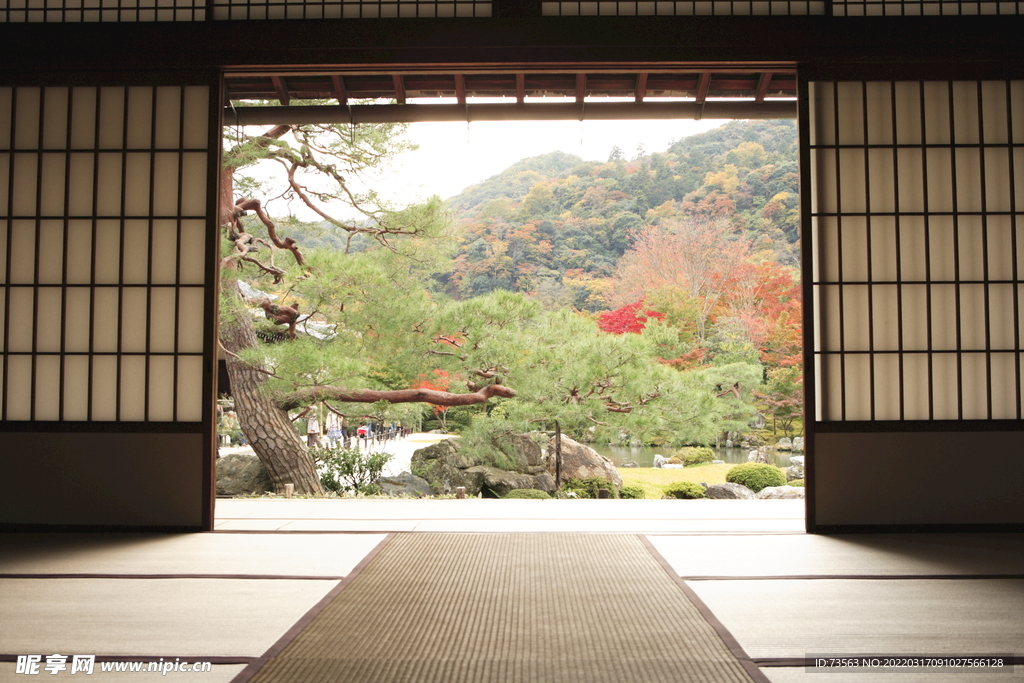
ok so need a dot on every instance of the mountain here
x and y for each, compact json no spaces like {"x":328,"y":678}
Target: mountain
{"x":556,"y":225}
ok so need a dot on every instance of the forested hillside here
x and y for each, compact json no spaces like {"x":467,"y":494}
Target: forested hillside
{"x":556,"y":226}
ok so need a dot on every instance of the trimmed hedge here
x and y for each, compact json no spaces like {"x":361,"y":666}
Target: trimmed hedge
{"x":796,"y":482}
{"x":756,"y":476}
{"x":695,"y":455}
{"x":685,"y":489}
{"x":632,"y":491}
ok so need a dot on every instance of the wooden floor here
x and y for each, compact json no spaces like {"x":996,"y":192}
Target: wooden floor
{"x":776,"y":597}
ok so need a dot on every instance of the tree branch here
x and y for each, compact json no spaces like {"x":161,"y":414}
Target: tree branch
{"x":437,"y":398}
{"x":242,"y":360}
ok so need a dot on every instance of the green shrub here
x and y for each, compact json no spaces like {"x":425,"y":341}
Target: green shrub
{"x":685,"y":489}
{"x":527,"y":493}
{"x":490,"y":442}
{"x":756,"y":476}
{"x":695,"y":455}
{"x":349,"y":469}
{"x":588,"y":488}
{"x":796,"y":482}
{"x":675,"y":460}
{"x":632,"y":491}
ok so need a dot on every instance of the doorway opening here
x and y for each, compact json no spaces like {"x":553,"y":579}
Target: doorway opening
{"x":643,"y":299}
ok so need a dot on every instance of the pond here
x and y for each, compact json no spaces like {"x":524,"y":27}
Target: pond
{"x":644,"y":455}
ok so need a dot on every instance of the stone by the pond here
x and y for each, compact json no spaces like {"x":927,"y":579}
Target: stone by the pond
{"x":717,"y":462}
{"x":660,"y":460}
{"x":781,"y":492}
{"x":794,"y":472}
{"x":729,"y":491}
{"x":760,"y":455}
{"x":241,"y":473}
{"x":784,"y":444}
{"x":798,"y":444}
{"x":582,"y":462}
{"x":797,"y":460}
{"x":404,"y":484}
{"x":672,"y":466}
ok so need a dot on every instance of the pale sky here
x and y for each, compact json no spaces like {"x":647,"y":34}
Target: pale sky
{"x":455,"y":155}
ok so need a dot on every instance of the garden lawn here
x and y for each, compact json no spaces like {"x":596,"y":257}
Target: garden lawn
{"x":654,"y":481}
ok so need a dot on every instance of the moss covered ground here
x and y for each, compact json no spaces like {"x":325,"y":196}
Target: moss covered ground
{"x":654,"y":481}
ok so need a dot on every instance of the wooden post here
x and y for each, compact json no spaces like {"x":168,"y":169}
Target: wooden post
{"x":460,"y":492}
{"x":558,"y":455}
{"x":289,"y":489}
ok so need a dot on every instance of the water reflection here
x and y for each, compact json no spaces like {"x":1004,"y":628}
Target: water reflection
{"x":644,"y":455}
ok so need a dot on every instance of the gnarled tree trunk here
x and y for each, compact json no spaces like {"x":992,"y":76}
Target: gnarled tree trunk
{"x":264,"y":424}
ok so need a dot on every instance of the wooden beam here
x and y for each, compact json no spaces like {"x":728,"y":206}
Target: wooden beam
{"x":641,"y":87}
{"x":561,"y":111}
{"x":339,"y":89}
{"x":581,"y":88}
{"x":520,"y":88}
{"x":282,"y":91}
{"x":460,"y":88}
{"x":399,"y":88}
{"x":763,"y":82}
{"x":702,"y":87}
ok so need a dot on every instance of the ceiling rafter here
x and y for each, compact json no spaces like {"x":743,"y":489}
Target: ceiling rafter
{"x":338,"y":82}
{"x":460,"y":88}
{"x":399,"y":84}
{"x":764,"y":81}
{"x":470,"y":87}
{"x":281,"y":90}
{"x":702,"y":87}
{"x":641,"y":87}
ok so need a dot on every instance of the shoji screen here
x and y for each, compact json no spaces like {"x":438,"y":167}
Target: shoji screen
{"x":917,"y":250}
{"x":103,"y":196}
{"x":107,"y":307}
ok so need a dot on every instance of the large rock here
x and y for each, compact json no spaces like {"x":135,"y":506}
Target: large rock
{"x":797,"y":460}
{"x":794,"y":472}
{"x":780,"y":492}
{"x":500,"y":482}
{"x":241,"y":473}
{"x":529,"y":452}
{"x":544,"y":482}
{"x":405,"y":484}
{"x":784,"y":444}
{"x":582,"y":462}
{"x":730,"y":491}
{"x":798,"y":444}
{"x":445,"y":469}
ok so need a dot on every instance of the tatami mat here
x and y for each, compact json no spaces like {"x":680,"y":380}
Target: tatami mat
{"x":215,"y":554}
{"x":164,"y":617}
{"x":509,"y":608}
{"x":219,"y":673}
{"x":808,"y":555}
{"x":785,"y":618}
